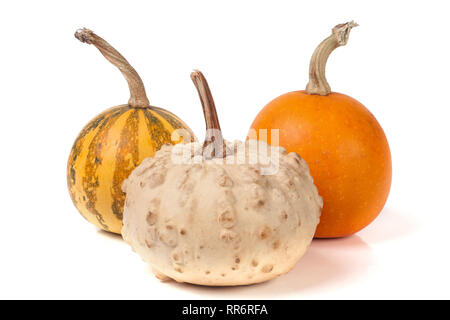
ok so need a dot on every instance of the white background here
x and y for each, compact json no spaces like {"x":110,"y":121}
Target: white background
{"x":51,"y":85}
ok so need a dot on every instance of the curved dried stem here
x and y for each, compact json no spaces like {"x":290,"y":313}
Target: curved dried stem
{"x":317,"y":81}
{"x":214,"y":145}
{"x":138,"y":97}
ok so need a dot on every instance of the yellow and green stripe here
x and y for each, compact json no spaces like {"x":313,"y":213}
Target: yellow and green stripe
{"x":106,"y":151}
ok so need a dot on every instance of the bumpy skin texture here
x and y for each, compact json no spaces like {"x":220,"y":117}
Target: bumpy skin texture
{"x":213,"y":223}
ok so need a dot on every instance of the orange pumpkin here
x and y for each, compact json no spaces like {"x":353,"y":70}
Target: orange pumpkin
{"x":344,"y":145}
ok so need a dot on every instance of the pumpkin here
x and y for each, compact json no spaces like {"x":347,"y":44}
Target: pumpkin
{"x":206,"y":214}
{"x":111,"y":145}
{"x":346,"y":149}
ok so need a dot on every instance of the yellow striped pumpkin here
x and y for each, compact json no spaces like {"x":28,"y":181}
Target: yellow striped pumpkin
{"x":114,"y":143}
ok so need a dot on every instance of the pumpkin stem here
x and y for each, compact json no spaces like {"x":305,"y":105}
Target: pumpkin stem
{"x":214,"y":145}
{"x":317,"y":81}
{"x":138,"y":98}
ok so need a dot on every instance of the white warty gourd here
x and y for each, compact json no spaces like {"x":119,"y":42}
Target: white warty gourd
{"x":217,"y":220}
